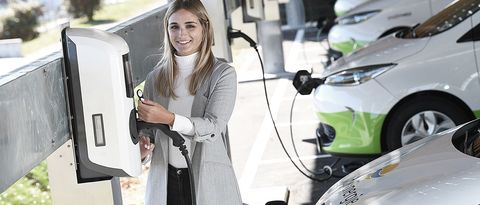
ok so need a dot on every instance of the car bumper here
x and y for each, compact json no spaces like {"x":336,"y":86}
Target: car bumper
{"x":352,"y":117}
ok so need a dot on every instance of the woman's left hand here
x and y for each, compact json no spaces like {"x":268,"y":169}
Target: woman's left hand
{"x":153,"y":112}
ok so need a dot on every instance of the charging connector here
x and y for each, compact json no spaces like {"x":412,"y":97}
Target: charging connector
{"x":234,"y":33}
{"x":304,"y":83}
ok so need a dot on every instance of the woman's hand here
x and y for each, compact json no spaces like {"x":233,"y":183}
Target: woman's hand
{"x":153,"y":112}
{"x":146,"y":147}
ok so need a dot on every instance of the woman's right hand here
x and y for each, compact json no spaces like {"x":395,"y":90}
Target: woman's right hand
{"x":150,"y":111}
{"x":146,"y":147}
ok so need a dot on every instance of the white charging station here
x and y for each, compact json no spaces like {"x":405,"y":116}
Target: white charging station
{"x":100,"y":93}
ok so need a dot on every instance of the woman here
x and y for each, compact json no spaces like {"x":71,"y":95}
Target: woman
{"x":194,"y":93}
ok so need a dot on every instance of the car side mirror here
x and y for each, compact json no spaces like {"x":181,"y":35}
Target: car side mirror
{"x":304,"y":83}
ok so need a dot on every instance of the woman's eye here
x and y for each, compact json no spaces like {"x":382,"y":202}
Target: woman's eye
{"x":190,"y":26}
{"x":173,"y":27}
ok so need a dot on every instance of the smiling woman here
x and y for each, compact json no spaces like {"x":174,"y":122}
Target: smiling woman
{"x":194,"y":93}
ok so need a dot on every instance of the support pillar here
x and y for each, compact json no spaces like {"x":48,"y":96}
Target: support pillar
{"x":295,"y":14}
{"x":270,"y":38}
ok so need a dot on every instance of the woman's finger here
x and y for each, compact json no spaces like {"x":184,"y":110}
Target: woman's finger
{"x":149,"y":102}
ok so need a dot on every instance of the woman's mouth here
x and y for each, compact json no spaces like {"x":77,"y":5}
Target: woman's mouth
{"x":183,"y":42}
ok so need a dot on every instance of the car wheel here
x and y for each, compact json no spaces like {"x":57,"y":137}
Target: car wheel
{"x":420,"y":118}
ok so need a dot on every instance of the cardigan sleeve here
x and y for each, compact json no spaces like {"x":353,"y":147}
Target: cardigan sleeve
{"x":219,"y":105}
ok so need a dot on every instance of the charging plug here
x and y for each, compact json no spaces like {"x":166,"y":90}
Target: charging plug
{"x":304,"y":83}
{"x":233,"y":33}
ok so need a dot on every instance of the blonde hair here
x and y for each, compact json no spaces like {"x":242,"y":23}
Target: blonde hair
{"x":165,"y":80}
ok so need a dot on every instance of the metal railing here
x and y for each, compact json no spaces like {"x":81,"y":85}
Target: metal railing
{"x":33,"y":109}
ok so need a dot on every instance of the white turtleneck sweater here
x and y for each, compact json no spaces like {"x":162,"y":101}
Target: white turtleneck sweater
{"x":182,"y":106}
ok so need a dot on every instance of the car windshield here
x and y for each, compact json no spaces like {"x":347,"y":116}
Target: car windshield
{"x":446,"y":19}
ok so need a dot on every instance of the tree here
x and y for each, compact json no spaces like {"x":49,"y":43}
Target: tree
{"x":80,"y":8}
{"x":21,"y":22}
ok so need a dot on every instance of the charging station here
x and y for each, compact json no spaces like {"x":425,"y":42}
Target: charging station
{"x":100,"y":94}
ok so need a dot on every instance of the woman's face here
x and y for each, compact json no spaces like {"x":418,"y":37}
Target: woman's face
{"x":185,"y":32}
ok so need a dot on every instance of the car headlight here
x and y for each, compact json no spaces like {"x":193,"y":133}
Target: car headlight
{"x":357,"y":76}
{"x":357,"y":18}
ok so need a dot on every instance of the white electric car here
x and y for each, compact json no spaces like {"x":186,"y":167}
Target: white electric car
{"x":378,"y":18}
{"x":440,"y":170}
{"x":404,"y":87}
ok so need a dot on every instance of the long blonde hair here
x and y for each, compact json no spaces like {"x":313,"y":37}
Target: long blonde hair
{"x":165,"y":80}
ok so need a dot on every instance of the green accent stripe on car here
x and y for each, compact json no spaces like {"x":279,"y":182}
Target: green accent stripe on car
{"x":340,"y":13}
{"x":476,"y":113}
{"x":354,"y":136}
{"x":347,"y":47}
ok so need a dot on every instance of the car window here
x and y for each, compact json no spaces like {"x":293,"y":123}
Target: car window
{"x":446,"y":19}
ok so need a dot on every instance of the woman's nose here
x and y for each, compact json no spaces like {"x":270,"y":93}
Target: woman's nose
{"x":183,"y":32}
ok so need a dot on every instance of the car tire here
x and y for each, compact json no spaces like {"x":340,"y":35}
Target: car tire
{"x":403,"y":116}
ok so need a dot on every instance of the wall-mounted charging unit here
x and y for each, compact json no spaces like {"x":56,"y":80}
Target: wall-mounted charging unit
{"x":253,"y":10}
{"x":98,"y":76}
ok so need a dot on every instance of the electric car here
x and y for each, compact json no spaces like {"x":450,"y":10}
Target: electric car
{"x":377,"y":18}
{"x":343,"y":6}
{"x":440,"y":170}
{"x":404,"y":87}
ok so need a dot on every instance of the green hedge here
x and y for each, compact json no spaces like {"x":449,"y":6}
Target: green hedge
{"x":33,"y":189}
{"x":21,"y":21}
{"x":80,"y":8}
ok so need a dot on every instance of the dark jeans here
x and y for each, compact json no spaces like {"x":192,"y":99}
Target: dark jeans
{"x":178,"y":188}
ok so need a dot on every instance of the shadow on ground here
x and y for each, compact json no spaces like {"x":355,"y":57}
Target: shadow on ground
{"x":312,"y":190}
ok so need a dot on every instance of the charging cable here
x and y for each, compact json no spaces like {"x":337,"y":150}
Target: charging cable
{"x":178,"y":141}
{"x":233,"y":33}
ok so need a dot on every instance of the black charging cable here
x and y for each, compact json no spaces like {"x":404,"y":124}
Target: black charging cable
{"x":326,"y":167}
{"x":233,"y":33}
{"x":310,"y":83}
{"x":178,"y":141}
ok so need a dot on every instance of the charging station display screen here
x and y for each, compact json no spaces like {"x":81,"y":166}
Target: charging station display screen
{"x":98,"y":130}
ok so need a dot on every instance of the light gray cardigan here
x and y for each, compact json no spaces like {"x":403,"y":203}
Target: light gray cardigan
{"x":215,"y":181}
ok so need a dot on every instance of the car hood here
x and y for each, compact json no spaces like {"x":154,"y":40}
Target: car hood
{"x":429,"y":171}
{"x":371,"y":5}
{"x":389,"y":49}
{"x":380,"y":5}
